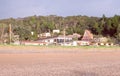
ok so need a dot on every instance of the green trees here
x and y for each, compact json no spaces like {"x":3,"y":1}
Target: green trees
{"x":118,"y":33}
{"x":96,"y":29}
{"x":3,"y":30}
{"x":24,"y":33}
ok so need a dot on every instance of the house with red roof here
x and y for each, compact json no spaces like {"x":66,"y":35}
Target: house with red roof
{"x":87,"y":38}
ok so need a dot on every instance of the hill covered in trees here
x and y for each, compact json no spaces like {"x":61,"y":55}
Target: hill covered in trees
{"x":99,"y":26}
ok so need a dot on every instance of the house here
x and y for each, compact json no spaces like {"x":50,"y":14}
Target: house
{"x":87,"y":38}
{"x":59,"y":40}
{"x":76,"y":35}
{"x":56,"y":31}
{"x":83,"y":43}
{"x":44,"y":35}
{"x":49,"y":40}
{"x":63,"y":39}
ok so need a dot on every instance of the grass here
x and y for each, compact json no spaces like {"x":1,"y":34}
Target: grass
{"x":69,"y":47}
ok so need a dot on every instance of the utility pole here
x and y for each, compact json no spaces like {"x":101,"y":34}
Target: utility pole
{"x":10,"y":33}
{"x":64,"y":36}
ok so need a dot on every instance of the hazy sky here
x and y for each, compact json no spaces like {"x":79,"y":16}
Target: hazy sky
{"x":23,"y":8}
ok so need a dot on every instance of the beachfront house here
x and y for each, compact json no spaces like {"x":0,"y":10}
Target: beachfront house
{"x":87,"y":38}
{"x":76,"y":35}
{"x":59,"y":40}
{"x":45,"y":35}
{"x":56,"y":31}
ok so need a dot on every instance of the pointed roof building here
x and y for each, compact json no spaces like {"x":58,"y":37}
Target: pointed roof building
{"x":88,"y":36}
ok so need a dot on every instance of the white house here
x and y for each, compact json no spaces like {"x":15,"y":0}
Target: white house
{"x":56,"y":31}
{"x":45,"y":34}
{"x":82,"y":43}
{"x":56,"y":40}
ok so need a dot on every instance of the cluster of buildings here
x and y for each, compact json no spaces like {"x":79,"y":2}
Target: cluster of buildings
{"x":67,"y":40}
{"x":48,"y":39}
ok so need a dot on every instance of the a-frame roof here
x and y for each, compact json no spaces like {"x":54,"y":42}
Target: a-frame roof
{"x":88,"y":36}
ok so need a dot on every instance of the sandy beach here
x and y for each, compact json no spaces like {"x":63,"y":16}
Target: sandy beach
{"x":46,"y":61}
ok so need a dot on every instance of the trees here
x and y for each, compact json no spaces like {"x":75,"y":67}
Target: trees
{"x":118,"y":33}
{"x":23,"y":33}
{"x":96,"y":29}
{"x":3,"y":30}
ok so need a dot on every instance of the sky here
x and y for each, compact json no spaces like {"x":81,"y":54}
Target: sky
{"x":24,"y":8}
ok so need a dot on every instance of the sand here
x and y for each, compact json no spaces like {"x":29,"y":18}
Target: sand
{"x":41,"y":61}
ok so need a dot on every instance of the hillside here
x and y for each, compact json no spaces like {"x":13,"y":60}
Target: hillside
{"x":104,"y":26}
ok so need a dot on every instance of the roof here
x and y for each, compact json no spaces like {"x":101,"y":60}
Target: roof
{"x":76,"y":34}
{"x":88,"y":36}
{"x":56,"y":37}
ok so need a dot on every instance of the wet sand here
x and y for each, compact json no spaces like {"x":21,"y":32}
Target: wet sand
{"x":38,"y":61}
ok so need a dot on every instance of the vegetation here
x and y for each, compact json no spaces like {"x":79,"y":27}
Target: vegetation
{"x":101,"y":26}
